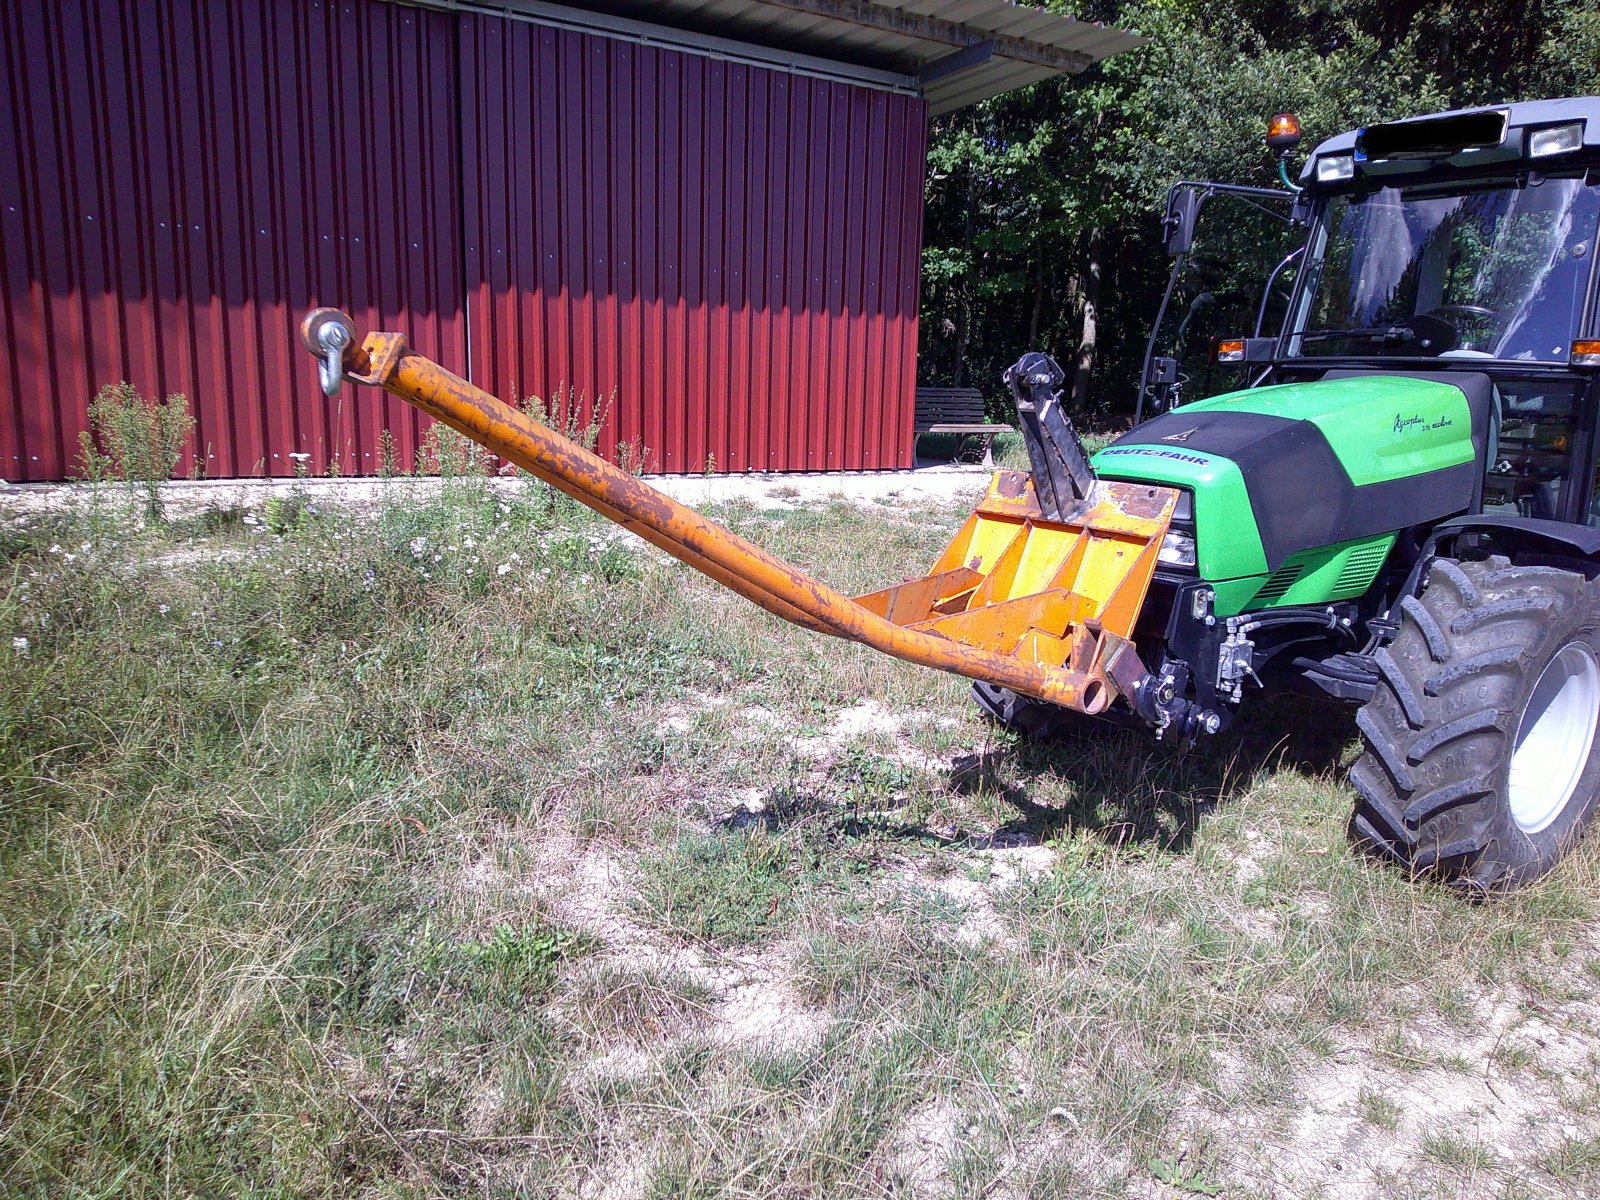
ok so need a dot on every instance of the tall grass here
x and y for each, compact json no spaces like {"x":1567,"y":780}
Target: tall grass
{"x":460,"y":845}
{"x":231,"y":794}
{"x":135,"y":440}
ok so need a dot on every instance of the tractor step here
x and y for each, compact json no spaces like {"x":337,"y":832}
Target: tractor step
{"x":1349,"y":678}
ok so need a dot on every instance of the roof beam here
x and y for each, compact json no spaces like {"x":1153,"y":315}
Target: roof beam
{"x":933,"y":29}
{"x":955,"y":62}
{"x":686,"y":41}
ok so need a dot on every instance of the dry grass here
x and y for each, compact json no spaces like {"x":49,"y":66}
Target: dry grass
{"x":339,"y":861}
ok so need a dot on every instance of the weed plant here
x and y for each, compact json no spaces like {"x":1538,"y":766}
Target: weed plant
{"x":134,"y":440}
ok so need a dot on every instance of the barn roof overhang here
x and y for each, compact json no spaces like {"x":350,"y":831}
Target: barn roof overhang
{"x":950,"y":52}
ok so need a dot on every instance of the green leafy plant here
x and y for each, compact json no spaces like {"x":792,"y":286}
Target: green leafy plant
{"x":570,"y":415}
{"x":135,"y":439}
{"x":388,"y":456}
{"x":633,"y":457}
{"x":865,"y":778}
{"x":1173,"y":1173}
{"x":283,"y":514}
{"x":1379,"y":1110}
{"x":738,"y":888}
{"x":452,"y":455}
{"x":526,"y":959}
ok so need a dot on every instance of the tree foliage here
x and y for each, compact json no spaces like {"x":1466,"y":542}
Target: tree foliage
{"x":1044,"y":205}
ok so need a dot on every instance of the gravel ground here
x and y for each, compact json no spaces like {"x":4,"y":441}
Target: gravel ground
{"x":942,"y":483}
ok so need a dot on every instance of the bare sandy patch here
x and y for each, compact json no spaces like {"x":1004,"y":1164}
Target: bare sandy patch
{"x":923,"y":1145}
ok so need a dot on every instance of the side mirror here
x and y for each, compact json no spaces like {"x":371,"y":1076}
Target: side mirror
{"x":1161,"y":371}
{"x":1177,"y":227}
{"x":1157,"y":381}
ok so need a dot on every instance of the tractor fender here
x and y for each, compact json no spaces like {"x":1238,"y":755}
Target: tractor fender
{"x":1528,"y":540}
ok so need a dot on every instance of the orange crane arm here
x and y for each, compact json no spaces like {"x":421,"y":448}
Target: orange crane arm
{"x":1040,"y":644}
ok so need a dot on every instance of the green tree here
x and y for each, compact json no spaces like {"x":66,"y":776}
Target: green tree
{"x":1044,"y":205}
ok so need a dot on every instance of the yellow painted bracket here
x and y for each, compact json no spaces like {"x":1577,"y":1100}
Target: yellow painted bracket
{"x":1045,"y":608}
{"x":1057,"y":593}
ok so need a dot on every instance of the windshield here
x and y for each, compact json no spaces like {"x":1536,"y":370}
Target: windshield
{"x":1498,"y":272}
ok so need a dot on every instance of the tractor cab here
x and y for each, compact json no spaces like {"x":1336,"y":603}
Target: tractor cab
{"x":1466,"y":242}
{"x":1462,"y":243}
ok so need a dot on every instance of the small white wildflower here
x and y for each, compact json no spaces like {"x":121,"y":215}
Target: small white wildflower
{"x":163,"y":610}
{"x":19,"y":645}
{"x":418,"y":545}
{"x":54,"y":549}
{"x":69,"y":557}
{"x":299,"y":456}
{"x":503,"y":569}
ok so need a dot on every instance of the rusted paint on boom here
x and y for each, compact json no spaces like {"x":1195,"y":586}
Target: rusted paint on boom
{"x":1044,"y":608}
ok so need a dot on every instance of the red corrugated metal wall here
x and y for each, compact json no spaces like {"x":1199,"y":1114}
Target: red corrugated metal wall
{"x":181,"y":180}
{"x":729,"y":252}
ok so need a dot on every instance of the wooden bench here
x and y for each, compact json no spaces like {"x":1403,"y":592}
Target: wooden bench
{"x":956,"y":410}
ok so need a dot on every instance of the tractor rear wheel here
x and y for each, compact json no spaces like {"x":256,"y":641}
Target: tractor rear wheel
{"x":1481,"y":759}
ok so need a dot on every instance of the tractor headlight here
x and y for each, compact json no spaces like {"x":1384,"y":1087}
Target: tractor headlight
{"x":1335,"y":168}
{"x":1557,"y":139}
{"x":1177,"y":549}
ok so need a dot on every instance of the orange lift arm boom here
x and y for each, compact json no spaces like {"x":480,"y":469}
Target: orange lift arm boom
{"x":1044,"y":608}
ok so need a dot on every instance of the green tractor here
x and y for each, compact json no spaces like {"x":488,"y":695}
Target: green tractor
{"x":1391,"y":504}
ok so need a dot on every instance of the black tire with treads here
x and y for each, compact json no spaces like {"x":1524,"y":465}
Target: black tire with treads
{"x":1440,"y":729}
{"x":1025,"y":715}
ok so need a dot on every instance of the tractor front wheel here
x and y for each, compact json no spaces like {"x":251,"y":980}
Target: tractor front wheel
{"x":1024,"y":715}
{"x":1481,"y":759}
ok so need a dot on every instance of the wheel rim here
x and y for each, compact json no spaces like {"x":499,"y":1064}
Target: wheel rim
{"x":1554,"y":738}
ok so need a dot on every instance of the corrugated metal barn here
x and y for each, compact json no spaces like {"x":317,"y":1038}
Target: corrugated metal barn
{"x":707,"y":211}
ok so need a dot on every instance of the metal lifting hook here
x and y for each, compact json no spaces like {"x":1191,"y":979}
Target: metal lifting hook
{"x":327,"y":332}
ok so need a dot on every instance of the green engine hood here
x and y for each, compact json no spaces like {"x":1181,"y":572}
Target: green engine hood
{"x":1279,"y":471}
